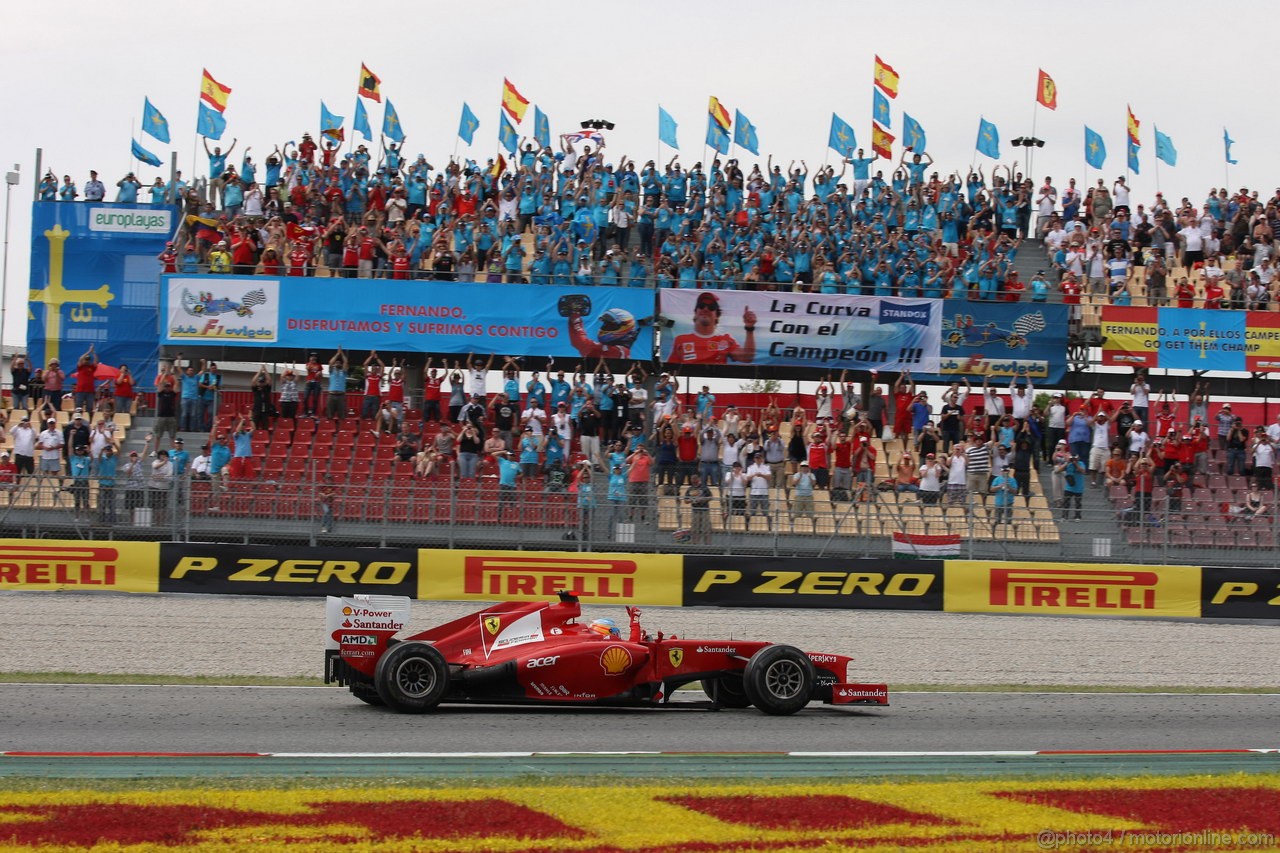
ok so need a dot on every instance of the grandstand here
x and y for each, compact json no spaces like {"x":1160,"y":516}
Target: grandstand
{"x":641,"y":238}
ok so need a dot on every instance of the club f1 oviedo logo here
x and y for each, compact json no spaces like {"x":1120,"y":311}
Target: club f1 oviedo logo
{"x":542,"y":577}
{"x":274,"y":571}
{"x":48,"y":566}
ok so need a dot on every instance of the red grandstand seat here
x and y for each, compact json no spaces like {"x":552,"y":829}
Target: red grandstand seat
{"x":402,"y":470}
{"x":382,"y":469}
{"x":364,"y":453}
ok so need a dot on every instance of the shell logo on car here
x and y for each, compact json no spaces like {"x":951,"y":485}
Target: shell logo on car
{"x":615,"y":660}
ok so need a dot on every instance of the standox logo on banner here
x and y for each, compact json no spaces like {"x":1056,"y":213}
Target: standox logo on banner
{"x":504,"y":577}
{"x":1054,"y":589}
{"x":920,"y":314}
{"x":40,"y":565}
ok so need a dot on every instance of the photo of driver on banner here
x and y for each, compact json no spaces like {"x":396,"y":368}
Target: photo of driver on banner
{"x":618,"y":328}
{"x":704,"y":346}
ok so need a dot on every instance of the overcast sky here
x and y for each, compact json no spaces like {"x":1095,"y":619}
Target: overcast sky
{"x":78,"y":73}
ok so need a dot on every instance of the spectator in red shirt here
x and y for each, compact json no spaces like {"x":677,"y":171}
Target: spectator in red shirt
{"x":373,"y":367}
{"x":1186,"y":294}
{"x":431,"y":381}
{"x":1014,"y":287}
{"x":271,"y":264}
{"x":639,"y":467}
{"x":86,"y":366}
{"x":299,"y":259}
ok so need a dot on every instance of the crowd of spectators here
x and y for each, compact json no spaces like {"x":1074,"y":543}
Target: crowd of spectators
{"x":901,"y":230}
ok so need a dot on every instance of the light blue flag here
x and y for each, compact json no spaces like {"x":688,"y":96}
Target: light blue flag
{"x":667,"y":129}
{"x":391,"y":124}
{"x":507,"y":136}
{"x":210,"y":123}
{"x":1227,"y":142}
{"x":153,"y":122}
{"x":144,"y":155}
{"x":1095,"y":149}
{"x":717,"y":136}
{"x":541,"y":128}
{"x":360,"y":124}
{"x":913,"y":135}
{"x":467,"y":126}
{"x":329,"y":121}
{"x":841,"y":138}
{"x":988,"y":139}
{"x":880,"y":108}
{"x":1165,"y":150}
{"x":1133,"y":156}
{"x":744,"y":133}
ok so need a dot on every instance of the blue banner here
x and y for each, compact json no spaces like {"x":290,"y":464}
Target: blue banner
{"x":413,"y":316}
{"x":94,"y":277}
{"x":801,"y":329}
{"x":1027,"y":339}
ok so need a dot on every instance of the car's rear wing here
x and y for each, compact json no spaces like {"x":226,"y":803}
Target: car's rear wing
{"x":358,"y":629}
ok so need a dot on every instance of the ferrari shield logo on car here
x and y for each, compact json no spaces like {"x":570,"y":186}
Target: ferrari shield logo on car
{"x":615,"y":660}
{"x":492,"y":624}
{"x":676,"y":656}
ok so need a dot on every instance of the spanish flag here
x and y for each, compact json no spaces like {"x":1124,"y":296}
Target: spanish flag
{"x":369,"y":84}
{"x":719,"y":114}
{"x":1133,"y":127}
{"x":881,"y":142}
{"x":214,"y":93}
{"x":1047,"y":91}
{"x":886,"y":78}
{"x":513,"y":102}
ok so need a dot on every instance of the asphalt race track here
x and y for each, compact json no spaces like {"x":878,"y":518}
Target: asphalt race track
{"x":122,"y":718}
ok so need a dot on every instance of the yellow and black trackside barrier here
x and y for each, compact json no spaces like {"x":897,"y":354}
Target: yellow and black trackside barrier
{"x":953,"y":586}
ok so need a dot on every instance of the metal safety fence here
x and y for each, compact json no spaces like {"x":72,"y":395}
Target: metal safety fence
{"x":443,"y":511}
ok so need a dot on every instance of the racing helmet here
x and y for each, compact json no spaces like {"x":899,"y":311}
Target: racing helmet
{"x":606,"y":628}
{"x":617,"y":326}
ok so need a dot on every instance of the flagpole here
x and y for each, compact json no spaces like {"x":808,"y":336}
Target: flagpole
{"x":1156,"y":160}
{"x":1031,"y":149}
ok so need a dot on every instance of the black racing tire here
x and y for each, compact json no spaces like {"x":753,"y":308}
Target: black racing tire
{"x":366,"y":692}
{"x":411,"y":678}
{"x":779,"y":680}
{"x":726,"y":691}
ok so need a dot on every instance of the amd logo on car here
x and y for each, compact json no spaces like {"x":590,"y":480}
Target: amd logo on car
{"x":358,"y":640}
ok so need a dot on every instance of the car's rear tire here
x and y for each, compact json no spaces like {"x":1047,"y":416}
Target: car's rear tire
{"x":779,"y":680}
{"x":366,"y":692}
{"x":726,"y":691}
{"x":411,"y":678}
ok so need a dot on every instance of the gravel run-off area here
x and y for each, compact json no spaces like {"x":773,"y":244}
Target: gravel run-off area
{"x":247,"y":635}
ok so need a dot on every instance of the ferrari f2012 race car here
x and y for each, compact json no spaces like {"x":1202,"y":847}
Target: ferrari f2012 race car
{"x":540,"y":653}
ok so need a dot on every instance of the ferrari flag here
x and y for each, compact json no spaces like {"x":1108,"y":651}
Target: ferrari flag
{"x":886,"y":78}
{"x":214,"y":93}
{"x":513,"y":102}
{"x":369,"y":85}
{"x":1047,"y":91}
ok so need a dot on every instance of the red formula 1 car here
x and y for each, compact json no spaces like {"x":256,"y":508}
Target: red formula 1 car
{"x":539,"y":653}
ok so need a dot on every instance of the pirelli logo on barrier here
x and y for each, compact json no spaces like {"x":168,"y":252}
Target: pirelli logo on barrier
{"x":1071,"y":589}
{"x":282,"y":570}
{"x":1240,"y":593}
{"x":537,"y":575}
{"x":51,"y":564}
{"x":821,"y":582}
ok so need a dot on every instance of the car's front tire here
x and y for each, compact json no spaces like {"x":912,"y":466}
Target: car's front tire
{"x":779,"y":680}
{"x":411,"y":678}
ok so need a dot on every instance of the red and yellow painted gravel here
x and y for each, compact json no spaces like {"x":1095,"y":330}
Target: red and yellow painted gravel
{"x":1239,"y":812}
